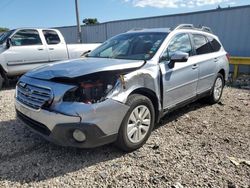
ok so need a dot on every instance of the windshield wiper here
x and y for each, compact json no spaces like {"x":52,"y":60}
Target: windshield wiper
{"x":85,"y":54}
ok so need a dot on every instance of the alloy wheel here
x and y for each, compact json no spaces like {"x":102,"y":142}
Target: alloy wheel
{"x":218,"y":88}
{"x":138,"y":124}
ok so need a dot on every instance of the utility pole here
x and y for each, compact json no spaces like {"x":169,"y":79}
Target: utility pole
{"x":79,"y":32}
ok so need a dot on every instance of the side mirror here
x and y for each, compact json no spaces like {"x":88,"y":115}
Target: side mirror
{"x":8,"y":43}
{"x":178,"y":57}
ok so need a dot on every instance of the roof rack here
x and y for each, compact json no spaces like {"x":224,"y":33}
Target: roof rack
{"x":191,"y":26}
{"x":207,"y":29}
{"x":185,"y":26}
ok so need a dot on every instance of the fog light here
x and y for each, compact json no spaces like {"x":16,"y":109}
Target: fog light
{"x":79,"y":136}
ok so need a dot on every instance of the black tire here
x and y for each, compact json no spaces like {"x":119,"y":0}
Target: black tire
{"x":135,"y":101}
{"x":212,"y":99}
{"x":1,"y":81}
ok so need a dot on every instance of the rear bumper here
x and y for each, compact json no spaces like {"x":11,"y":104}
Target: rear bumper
{"x":58,"y":128}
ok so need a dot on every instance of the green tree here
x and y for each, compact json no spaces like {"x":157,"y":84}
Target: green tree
{"x":3,"y":29}
{"x":90,"y":21}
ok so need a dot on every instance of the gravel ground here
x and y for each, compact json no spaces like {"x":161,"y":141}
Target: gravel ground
{"x":189,"y":148}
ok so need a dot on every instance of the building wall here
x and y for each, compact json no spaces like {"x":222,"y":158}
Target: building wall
{"x":232,"y":25}
{"x":69,"y":33}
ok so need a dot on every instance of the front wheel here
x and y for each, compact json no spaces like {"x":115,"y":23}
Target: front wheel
{"x":137,"y":124}
{"x":217,"y":89}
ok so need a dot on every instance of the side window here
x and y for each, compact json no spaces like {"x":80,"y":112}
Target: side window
{"x":179,"y":43}
{"x":202,"y":45}
{"x":51,"y":37}
{"x":215,"y":44}
{"x":26,"y":37}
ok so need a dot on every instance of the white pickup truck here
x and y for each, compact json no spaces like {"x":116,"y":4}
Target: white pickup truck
{"x":24,"y":49}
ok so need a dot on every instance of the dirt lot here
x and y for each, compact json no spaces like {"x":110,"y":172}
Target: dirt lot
{"x":189,"y":148}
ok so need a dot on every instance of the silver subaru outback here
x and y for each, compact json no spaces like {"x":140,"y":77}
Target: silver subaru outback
{"x":117,"y":92}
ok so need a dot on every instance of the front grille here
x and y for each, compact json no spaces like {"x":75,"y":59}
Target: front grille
{"x":33,"y":96}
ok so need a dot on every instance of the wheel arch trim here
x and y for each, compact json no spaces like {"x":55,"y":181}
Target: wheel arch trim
{"x":152,"y":96}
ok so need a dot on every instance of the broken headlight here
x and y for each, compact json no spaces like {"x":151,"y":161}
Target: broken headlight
{"x":88,"y":92}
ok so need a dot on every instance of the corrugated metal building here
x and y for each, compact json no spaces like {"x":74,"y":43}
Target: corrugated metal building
{"x":232,"y":25}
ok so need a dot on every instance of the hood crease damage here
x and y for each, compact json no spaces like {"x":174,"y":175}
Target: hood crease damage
{"x":92,"y":83}
{"x":82,"y":67}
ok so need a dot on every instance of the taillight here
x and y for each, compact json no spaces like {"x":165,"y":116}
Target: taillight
{"x":228,"y":56}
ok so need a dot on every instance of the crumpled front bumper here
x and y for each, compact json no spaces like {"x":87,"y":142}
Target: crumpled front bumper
{"x":100,"y":122}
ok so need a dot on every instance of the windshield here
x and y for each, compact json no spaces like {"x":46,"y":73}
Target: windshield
{"x":136,"y":46}
{"x":4,"y":36}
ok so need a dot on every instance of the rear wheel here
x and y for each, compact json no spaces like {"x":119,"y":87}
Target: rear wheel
{"x":217,"y":89}
{"x":137,"y":123}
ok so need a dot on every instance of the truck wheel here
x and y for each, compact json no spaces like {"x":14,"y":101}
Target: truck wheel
{"x":217,"y":89}
{"x":137,"y":124}
{"x":1,"y":81}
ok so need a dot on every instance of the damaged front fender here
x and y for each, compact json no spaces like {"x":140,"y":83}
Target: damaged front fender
{"x":147,"y":78}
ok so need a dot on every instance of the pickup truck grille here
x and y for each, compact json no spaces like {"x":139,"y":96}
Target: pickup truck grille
{"x":33,"y":96}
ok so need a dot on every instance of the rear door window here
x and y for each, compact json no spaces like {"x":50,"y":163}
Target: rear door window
{"x":26,"y":37}
{"x":201,"y":44}
{"x":51,"y":37}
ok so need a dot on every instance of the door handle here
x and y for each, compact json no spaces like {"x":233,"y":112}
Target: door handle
{"x":51,"y":48}
{"x":40,"y":49}
{"x":195,"y":66}
{"x":216,"y":59}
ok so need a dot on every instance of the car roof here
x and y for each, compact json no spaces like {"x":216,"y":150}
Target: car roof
{"x":169,"y":30}
{"x":34,"y":28}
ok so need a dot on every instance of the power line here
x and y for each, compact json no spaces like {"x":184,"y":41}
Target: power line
{"x":6,"y":4}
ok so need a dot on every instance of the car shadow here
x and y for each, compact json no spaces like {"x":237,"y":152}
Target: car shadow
{"x":11,"y":85}
{"x":174,"y":115}
{"x":26,"y":157}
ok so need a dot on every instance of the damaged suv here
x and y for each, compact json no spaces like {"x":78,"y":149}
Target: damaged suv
{"x":121,"y":89}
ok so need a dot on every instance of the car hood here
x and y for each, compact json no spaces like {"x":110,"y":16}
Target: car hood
{"x":80,"y":67}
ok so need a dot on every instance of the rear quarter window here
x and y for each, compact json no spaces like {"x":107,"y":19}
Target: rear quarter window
{"x":215,"y":44}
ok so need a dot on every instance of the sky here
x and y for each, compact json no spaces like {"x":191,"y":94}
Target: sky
{"x":56,"y":13}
